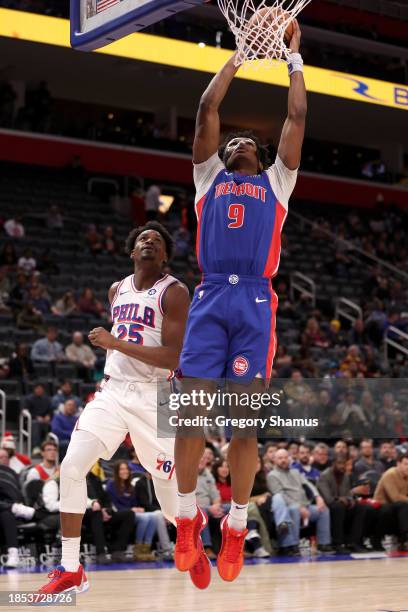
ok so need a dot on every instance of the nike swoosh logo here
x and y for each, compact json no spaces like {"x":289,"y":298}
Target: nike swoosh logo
{"x":123,"y":292}
{"x":258,"y":301}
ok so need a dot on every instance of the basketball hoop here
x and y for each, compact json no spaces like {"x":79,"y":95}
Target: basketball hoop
{"x":260,"y":29}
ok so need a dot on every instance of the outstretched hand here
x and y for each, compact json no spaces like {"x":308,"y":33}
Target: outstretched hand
{"x":294,"y":43}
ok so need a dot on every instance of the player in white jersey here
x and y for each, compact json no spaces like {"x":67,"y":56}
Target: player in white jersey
{"x":149,"y":312}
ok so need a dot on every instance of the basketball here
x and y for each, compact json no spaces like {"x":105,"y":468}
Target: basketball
{"x":271,"y":20}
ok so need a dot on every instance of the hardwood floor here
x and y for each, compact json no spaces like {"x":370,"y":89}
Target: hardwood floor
{"x":341,"y":586}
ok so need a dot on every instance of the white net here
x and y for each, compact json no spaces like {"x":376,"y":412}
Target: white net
{"x":260,"y":28}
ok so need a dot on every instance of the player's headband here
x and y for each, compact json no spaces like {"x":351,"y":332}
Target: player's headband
{"x":238,"y":140}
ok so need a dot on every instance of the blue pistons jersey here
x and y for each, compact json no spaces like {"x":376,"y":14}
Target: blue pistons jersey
{"x":231,"y":327}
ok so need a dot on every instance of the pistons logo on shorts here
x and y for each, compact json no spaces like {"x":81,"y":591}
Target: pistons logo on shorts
{"x":165,"y":465}
{"x":240,"y":366}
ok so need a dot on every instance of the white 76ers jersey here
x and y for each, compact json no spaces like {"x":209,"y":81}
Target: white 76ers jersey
{"x":137,"y":317}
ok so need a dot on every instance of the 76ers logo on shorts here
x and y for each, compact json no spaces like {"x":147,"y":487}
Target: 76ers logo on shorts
{"x":165,"y":465}
{"x":240,"y":366}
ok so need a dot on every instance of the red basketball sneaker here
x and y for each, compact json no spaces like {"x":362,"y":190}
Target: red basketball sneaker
{"x":231,"y":556}
{"x":187,"y":549}
{"x":200,"y":573}
{"x":63,"y":582}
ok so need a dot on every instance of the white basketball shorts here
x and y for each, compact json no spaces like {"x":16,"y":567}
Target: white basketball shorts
{"x":123,"y":407}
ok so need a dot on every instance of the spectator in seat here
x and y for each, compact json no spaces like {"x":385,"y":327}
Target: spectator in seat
{"x":18,"y":293}
{"x":221,"y":473}
{"x":357,"y":334}
{"x":48,"y":350}
{"x":392,"y":494}
{"x":21,"y":366}
{"x":296,"y":502}
{"x":152,"y":202}
{"x":209,"y":455}
{"x":65,"y":306}
{"x":313,"y":335}
{"x":80,"y":354}
{"x":14,"y":227}
{"x":8,"y":256}
{"x":55,"y":221}
{"x":94,"y":240}
{"x":320,"y":457}
{"x":182,"y":242}
{"x":63,"y":394}
{"x":37,"y":298}
{"x":5,"y":285}
{"x":11,"y":508}
{"x":293,"y":450}
{"x":283,"y":361}
{"x":27,"y":263}
{"x":387,"y":454}
{"x":354,"y":358}
{"x":109,"y":243}
{"x":17,"y":461}
{"x":348,"y":411}
{"x":103,"y":520}
{"x":260,"y":518}
{"x":209,"y":499}
{"x":146,"y":495}
{"x":347,"y":516}
{"x":48,"y":466}
{"x":335,"y":334}
{"x":30,"y":318}
{"x":366,"y":462}
{"x":89,"y":305}
{"x":304,"y":466}
{"x":38,"y":403}
{"x":62,"y":425}
{"x":123,"y":497}
{"x":268,"y":456}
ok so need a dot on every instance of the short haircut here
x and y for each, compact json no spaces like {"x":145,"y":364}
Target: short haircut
{"x":263,"y":152}
{"x":321,"y":446}
{"x":401,"y":455}
{"x":49,"y":443}
{"x":150,"y":225}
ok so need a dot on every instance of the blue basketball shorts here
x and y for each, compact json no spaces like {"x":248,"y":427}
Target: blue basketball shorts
{"x":230,"y":331}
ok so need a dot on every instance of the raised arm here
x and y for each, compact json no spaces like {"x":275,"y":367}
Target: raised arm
{"x":207,"y":131}
{"x":290,"y":146}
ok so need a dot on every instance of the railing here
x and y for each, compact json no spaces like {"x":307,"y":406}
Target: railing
{"x":342,"y":305}
{"x":2,"y":413}
{"x":393,"y":342}
{"x":25,"y":428}
{"x":304,"y":284}
{"x":353,"y":249}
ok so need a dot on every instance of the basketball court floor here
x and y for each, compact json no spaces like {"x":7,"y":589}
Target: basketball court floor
{"x":370,"y":585}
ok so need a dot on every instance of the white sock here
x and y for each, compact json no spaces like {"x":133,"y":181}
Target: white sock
{"x":70,"y":554}
{"x":237,"y":518}
{"x":187,"y":505}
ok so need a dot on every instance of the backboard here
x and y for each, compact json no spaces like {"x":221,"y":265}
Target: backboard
{"x":96,"y":23}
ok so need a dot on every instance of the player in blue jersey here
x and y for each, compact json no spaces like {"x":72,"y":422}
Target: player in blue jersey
{"x":241,"y":205}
